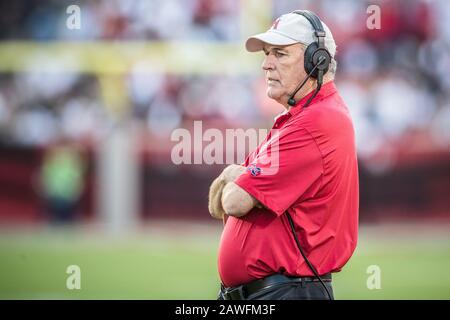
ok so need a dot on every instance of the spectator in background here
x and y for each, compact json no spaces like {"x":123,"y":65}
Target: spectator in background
{"x":61,"y":178}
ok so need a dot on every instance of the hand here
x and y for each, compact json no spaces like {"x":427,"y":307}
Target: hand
{"x":231,"y":172}
{"x":215,"y":196}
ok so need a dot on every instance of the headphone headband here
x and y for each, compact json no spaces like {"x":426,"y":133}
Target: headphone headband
{"x":317,"y":59}
{"x":313,"y":19}
{"x":319,"y":31}
{"x":316,"y":50}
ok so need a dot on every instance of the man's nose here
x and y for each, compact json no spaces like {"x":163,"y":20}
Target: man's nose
{"x":268,"y":63}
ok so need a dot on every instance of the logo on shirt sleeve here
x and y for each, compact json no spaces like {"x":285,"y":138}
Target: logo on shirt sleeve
{"x":254,"y":170}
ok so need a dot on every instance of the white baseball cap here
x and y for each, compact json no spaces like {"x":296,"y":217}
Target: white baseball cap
{"x":288,"y":29}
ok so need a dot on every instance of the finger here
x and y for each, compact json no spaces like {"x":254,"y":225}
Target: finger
{"x":215,"y":195}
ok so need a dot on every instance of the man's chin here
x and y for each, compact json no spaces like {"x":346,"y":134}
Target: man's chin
{"x":273,"y":94}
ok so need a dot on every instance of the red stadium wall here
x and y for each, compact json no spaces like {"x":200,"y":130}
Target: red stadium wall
{"x":413,"y":191}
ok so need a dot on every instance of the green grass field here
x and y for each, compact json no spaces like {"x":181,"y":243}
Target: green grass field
{"x":155,"y":263}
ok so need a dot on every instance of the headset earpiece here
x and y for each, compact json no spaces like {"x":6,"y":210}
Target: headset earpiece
{"x":317,"y":58}
{"x":312,"y":56}
{"x":316,"y":50}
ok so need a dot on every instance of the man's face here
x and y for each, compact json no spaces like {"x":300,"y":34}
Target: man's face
{"x":283,"y":68}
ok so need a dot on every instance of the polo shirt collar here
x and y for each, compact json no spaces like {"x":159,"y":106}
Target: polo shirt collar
{"x":278,"y":116}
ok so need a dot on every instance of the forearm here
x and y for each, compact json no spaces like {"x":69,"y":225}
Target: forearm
{"x":228,"y":175}
{"x":236,"y":201}
{"x":232,"y":172}
{"x":227,"y":198}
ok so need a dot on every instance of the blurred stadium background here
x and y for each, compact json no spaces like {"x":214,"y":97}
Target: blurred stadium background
{"x":86,"y":115}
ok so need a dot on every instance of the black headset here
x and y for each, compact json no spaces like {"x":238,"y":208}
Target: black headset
{"x":316,"y":50}
{"x":317,"y":58}
{"x":317,"y":62}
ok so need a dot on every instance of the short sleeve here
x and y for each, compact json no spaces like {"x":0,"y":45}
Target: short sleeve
{"x":288,"y":167}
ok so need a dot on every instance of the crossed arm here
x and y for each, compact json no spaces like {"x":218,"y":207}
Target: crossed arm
{"x":226,"y":197}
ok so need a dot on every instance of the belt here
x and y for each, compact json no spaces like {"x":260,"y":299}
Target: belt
{"x":243,"y":291}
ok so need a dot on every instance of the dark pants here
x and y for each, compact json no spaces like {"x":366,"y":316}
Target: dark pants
{"x":306,"y":290}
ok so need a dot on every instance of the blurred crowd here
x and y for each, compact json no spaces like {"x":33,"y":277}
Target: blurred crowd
{"x":122,"y":19}
{"x":395,"y":80}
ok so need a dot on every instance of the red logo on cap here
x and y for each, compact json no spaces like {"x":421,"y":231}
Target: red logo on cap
{"x":275,"y":24}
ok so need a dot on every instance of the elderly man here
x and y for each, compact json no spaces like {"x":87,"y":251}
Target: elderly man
{"x":291,"y":210}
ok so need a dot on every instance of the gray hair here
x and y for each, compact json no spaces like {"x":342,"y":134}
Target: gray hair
{"x":332,"y":69}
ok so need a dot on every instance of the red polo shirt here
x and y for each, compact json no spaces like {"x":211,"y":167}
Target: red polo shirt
{"x":306,"y":165}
